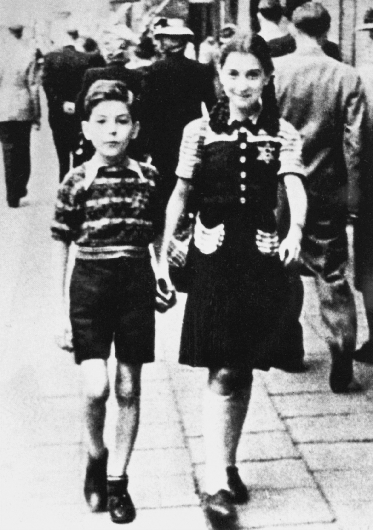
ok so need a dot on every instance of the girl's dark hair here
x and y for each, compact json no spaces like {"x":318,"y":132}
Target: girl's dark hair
{"x":269,"y":118}
{"x":106,"y":90}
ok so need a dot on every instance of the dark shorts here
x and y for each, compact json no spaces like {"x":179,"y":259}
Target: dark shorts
{"x":113,"y":300}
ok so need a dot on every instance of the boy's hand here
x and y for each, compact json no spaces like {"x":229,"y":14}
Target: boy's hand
{"x":165,"y":297}
{"x":268,"y":244}
{"x":64,"y":339}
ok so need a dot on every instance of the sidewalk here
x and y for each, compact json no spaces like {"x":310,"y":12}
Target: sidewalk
{"x":306,"y":454}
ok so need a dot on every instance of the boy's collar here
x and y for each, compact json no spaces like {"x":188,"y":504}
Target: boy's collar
{"x":93,"y":166}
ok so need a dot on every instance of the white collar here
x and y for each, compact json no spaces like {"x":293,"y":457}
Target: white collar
{"x":93,"y":166}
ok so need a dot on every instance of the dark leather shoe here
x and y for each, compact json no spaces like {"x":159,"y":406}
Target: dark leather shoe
{"x":219,"y":506}
{"x":365,"y":353}
{"x":13,"y":203}
{"x":237,"y":489}
{"x":95,"y":490}
{"x":121,"y":507}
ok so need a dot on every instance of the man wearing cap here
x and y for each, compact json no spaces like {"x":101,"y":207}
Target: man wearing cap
{"x":363,"y":233}
{"x":19,"y":110}
{"x":62,"y":78}
{"x":324,"y":100}
{"x":173,"y":92}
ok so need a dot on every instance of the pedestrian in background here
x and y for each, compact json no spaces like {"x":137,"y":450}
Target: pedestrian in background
{"x":62,"y":79}
{"x":174,"y":89}
{"x":107,"y":206}
{"x":363,"y":226}
{"x":19,"y":110}
{"x":325,"y":101}
{"x":238,"y":296}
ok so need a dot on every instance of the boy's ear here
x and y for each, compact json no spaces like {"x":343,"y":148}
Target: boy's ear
{"x":135,"y":130}
{"x":86,"y":130}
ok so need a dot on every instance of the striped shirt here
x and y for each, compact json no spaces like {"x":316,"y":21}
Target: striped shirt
{"x":108,"y":212}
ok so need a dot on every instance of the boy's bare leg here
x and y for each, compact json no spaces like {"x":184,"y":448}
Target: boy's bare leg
{"x":96,"y":392}
{"x":127,"y":391}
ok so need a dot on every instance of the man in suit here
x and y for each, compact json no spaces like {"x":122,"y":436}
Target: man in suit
{"x":19,"y":110}
{"x":62,"y":78}
{"x":174,"y":89}
{"x":287,"y":44}
{"x":324,"y":100}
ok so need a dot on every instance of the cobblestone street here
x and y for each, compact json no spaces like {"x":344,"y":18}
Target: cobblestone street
{"x":306,"y":454}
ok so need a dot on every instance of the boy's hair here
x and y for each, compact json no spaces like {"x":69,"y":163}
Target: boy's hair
{"x":106,"y":90}
{"x":312,"y":19}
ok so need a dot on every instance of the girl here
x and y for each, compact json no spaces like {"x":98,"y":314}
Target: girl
{"x":238,"y":295}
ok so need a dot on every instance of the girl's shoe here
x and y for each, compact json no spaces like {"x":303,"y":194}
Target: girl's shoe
{"x":95,"y":491}
{"x":121,"y":507}
{"x":237,"y":488}
{"x":219,"y":507}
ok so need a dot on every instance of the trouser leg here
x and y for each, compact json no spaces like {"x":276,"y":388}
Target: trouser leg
{"x":15,"y":138}
{"x":65,"y":130}
{"x":338,"y":313}
{"x":290,"y":340}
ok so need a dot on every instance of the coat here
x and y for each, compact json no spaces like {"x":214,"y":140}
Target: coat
{"x":325,"y":101}
{"x":19,"y":86}
{"x":63,"y":76}
{"x":174,"y":89}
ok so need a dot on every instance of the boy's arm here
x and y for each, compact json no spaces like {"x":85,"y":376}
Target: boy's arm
{"x":61,"y":252}
{"x":297,"y":198}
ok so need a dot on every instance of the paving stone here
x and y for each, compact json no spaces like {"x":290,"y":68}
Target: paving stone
{"x":160,"y":462}
{"x":163,"y":491}
{"x":356,"y":516}
{"x":311,"y":526}
{"x":161,"y":436}
{"x":318,"y":404}
{"x":346,"y":486}
{"x":316,"y":379}
{"x":271,"y":445}
{"x":348,"y":455}
{"x":160,"y":410}
{"x":284,"y":507}
{"x":274,"y":474}
{"x":349,"y":427}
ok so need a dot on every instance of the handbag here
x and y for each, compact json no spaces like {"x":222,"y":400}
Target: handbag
{"x":179,"y":257}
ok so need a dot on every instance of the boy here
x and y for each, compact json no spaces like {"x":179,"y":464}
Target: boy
{"x":107,"y":207}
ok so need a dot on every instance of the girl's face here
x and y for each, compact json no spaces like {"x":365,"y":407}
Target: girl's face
{"x":110,"y":129}
{"x":243,"y":80}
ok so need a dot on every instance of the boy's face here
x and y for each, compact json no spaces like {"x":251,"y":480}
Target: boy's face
{"x":110,"y":129}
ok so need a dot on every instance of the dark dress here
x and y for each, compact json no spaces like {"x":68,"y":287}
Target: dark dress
{"x":238,"y":296}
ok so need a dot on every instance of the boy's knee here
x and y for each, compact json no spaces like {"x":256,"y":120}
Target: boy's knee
{"x":127,"y":392}
{"x":97,"y":392}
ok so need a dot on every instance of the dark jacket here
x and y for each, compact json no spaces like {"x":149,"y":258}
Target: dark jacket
{"x":115,"y":71}
{"x":286,"y":44}
{"x":325,"y":101}
{"x":63,"y":75}
{"x":173,"y":92}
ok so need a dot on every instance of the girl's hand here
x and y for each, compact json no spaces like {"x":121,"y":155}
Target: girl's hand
{"x":208,"y":240}
{"x":267,"y":244}
{"x":290,"y":247}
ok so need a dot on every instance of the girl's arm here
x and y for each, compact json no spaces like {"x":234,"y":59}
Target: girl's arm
{"x":291,"y":245}
{"x":174,"y":211}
